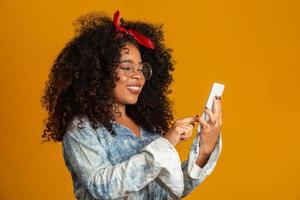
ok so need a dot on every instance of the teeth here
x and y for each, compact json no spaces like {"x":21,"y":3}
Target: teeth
{"x":133,"y":87}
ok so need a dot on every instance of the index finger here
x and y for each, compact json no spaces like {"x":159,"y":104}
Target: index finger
{"x":189,"y":120}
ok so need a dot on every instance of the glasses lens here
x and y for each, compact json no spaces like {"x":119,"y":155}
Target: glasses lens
{"x":147,"y":71}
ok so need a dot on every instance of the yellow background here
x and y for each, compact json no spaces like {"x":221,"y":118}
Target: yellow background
{"x":250,"y":46}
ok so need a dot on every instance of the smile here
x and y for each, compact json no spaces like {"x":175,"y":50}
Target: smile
{"x":134,"y":88}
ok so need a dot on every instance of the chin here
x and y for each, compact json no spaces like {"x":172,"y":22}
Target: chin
{"x":131,"y":101}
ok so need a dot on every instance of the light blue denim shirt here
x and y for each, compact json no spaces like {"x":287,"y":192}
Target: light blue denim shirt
{"x":125,"y":166}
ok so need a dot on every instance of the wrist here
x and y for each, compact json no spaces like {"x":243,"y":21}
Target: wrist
{"x":202,"y":159}
{"x":169,"y":140}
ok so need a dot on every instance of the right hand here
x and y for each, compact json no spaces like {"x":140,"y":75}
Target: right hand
{"x":181,"y":130}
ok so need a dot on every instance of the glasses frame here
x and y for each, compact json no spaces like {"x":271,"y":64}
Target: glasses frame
{"x":135,"y":69}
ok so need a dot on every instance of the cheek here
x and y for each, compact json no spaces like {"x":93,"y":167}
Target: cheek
{"x":121,"y":83}
{"x":120,"y":86}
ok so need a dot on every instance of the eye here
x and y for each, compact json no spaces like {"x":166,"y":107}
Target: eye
{"x":126,"y":69}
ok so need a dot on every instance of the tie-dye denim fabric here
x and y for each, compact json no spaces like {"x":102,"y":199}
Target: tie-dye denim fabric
{"x":129,"y":167}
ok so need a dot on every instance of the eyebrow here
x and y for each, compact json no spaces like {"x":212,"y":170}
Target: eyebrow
{"x":130,"y":61}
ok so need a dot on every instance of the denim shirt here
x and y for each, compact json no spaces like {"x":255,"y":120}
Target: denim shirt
{"x":125,"y":166}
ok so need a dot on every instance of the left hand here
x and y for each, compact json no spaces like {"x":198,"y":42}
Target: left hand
{"x":210,"y":130}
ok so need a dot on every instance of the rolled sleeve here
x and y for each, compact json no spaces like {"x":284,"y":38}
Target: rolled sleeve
{"x":194,"y":174}
{"x":195,"y":171}
{"x":165,"y":159}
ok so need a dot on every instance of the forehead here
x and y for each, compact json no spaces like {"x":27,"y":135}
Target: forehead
{"x":129,"y":51}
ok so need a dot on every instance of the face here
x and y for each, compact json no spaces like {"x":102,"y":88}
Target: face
{"x":128,"y":88}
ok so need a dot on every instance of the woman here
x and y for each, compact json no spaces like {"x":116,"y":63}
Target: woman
{"x":107,"y":102}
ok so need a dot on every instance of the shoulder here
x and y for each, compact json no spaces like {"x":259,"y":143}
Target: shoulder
{"x":80,"y":127}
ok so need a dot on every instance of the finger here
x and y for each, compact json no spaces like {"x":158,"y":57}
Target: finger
{"x":203,"y":123}
{"x":187,"y":128}
{"x":212,"y":117}
{"x":186,"y":135}
{"x":216,"y":106}
{"x":220,"y":118}
{"x":180,"y":129}
{"x":189,"y":120}
{"x":184,"y":138}
{"x":220,"y":111}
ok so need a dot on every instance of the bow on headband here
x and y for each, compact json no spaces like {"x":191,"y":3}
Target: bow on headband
{"x":140,"y":38}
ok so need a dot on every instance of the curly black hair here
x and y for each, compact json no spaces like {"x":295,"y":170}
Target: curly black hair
{"x":83,"y":76}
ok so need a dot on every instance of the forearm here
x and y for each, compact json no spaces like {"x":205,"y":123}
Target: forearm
{"x":202,"y":159}
{"x":203,"y":155}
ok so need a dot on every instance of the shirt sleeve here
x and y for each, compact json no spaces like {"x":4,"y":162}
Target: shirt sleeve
{"x":194,"y":174}
{"x":88,"y":160}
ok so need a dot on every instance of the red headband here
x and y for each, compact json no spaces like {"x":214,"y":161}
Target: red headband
{"x":140,"y":38}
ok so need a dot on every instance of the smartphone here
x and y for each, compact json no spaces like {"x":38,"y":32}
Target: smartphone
{"x":217,"y":90}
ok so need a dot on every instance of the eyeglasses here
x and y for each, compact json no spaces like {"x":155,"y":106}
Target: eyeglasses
{"x":129,"y":69}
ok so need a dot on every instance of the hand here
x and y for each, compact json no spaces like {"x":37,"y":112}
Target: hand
{"x":181,"y":130}
{"x":210,"y":130}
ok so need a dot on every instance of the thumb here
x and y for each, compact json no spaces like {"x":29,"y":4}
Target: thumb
{"x":202,"y":122}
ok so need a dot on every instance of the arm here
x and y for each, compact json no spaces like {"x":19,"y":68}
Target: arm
{"x":194,"y":174}
{"x":88,"y":160}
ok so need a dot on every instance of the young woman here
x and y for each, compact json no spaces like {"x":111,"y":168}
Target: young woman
{"x":107,"y":102}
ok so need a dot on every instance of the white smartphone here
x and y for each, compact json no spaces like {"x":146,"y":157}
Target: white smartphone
{"x":217,"y":90}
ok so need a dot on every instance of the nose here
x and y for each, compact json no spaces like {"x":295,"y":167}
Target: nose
{"x":137,"y":74}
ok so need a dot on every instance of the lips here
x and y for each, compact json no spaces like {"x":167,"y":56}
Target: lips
{"x":135,"y":89}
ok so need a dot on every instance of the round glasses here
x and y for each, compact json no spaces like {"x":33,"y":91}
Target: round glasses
{"x":129,"y":69}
